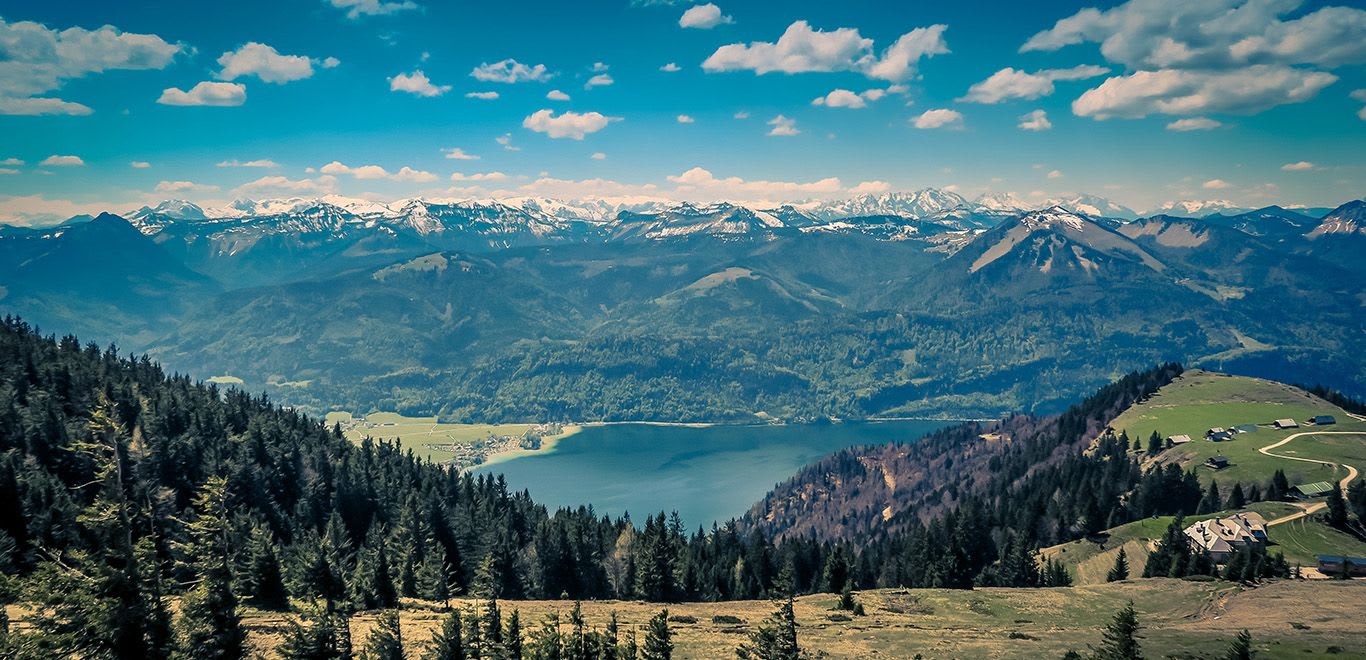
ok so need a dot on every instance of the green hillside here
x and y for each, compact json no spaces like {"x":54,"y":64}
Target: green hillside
{"x":1200,"y":400}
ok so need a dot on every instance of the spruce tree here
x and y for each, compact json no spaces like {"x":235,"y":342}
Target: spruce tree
{"x":1119,"y":641}
{"x":776,"y":638}
{"x":512,"y":637}
{"x":1240,"y":648}
{"x":1154,"y":444}
{"x":1337,"y":507}
{"x":386,"y":638}
{"x":546,"y":643}
{"x":576,"y":646}
{"x":658,"y":638}
{"x":1120,"y":571}
{"x":447,"y":642}
{"x":264,"y":583}
{"x":1236,"y":499}
{"x":317,"y":636}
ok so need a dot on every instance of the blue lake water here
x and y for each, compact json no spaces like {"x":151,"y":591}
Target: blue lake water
{"x":706,"y":474}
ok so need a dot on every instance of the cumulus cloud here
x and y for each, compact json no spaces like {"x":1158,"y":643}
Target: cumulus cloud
{"x":36,"y":60}
{"x":783,"y":126}
{"x":1178,"y":92}
{"x":331,"y":63}
{"x":600,"y":80}
{"x":685,"y":119}
{"x":506,"y":141}
{"x":598,"y":155}
{"x":456,"y":153}
{"x":1360,"y":95}
{"x":183,"y":186}
{"x":375,"y":172}
{"x":264,"y":62}
{"x":742,"y":115}
{"x":279,"y":184}
{"x":1055,"y":174}
{"x":485,"y":96}
{"x":1009,"y":83}
{"x":699,"y":183}
{"x":671,"y":67}
{"x":220,"y":94}
{"x":1210,"y":56}
{"x":938,"y":118}
{"x":510,"y":71}
{"x":1297,"y":167}
{"x":62,"y":161}
{"x":1193,"y":124}
{"x":11,"y":162}
{"x":409,"y":174}
{"x":843,"y":98}
{"x":571,"y":125}
{"x":871,"y":188}
{"x":1215,"y":184}
{"x":416,"y":83}
{"x":8,"y":170}
{"x":139,"y":164}
{"x":358,"y":8}
{"x":802,"y":49}
{"x":556,"y":95}
{"x":479,"y":176}
{"x":703,"y":17}
{"x":1214,"y":34}
{"x":1036,"y":120}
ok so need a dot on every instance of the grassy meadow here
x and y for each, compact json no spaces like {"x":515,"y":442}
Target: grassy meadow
{"x":1199,"y":400}
{"x":1287,"y":619}
{"x":424,"y":434}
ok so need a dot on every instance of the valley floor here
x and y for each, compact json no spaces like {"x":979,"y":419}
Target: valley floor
{"x":1180,"y":619}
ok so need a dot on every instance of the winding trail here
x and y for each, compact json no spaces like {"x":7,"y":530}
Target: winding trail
{"x":1311,"y":508}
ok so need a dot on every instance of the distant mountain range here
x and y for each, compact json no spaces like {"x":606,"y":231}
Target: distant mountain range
{"x":532,"y":309}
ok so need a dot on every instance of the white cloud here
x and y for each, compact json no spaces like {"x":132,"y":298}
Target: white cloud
{"x":219,"y":94}
{"x":1210,"y":56}
{"x":480,"y":176}
{"x":671,"y":67}
{"x":1036,"y":120}
{"x":802,"y":49}
{"x":8,"y":170}
{"x":571,"y":125}
{"x":556,"y":95}
{"x":279,"y":184}
{"x":1297,"y":167}
{"x":938,"y":118}
{"x":506,"y":140}
{"x":1055,"y":174}
{"x":330,"y":63}
{"x":598,"y":155}
{"x":871,"y":188}
{"x":1214,"y":34}
{"x":260,"y":162}
{"x":510,"y":71}
{"x":1194,"y":124}
{"x":62,"y":161}
{"x":486,"y":96}
{"x":183,"y":186}
{"x":139,"y":164}
{"x":36,"y":60}
{"x":416,"y":83}
{"x":373,"y":172}
{"x":1009,"y":83}
{"x":743,"y":114}
{"x":456,"y":153}
{"x":358,"y":8}
{"x":685,"y":119}
{"x":264,"y":62}
{"x":699,"y":183}
{"x":843,"y":98}
{"x":600,"y":80}
{"x":409,"y":174}
{"x":704,"y":17}
{"x":599,"y":67}
{"x":1177,"y":92}
{"x":36,"y":210}
{"x":11,"y":162}
{"x":783,"y":126}
{"x":1215,"y":184}
{"x":1360,"y":95}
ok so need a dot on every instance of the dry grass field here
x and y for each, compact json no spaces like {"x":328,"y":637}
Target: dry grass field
{"x":1181,"y":619}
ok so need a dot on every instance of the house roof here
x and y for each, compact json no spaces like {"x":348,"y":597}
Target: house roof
{"x":1221,"y":534}
{"x":1179,"y":439}
{"x":1287,"y":422}
{"x":1337,"y":559}
{"x":1316,"y":487}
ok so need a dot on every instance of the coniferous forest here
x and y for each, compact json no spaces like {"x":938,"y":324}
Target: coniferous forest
{"x":125,"y":490}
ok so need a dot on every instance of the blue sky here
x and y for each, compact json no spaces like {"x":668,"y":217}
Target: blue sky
{"x":1268,"y":93}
